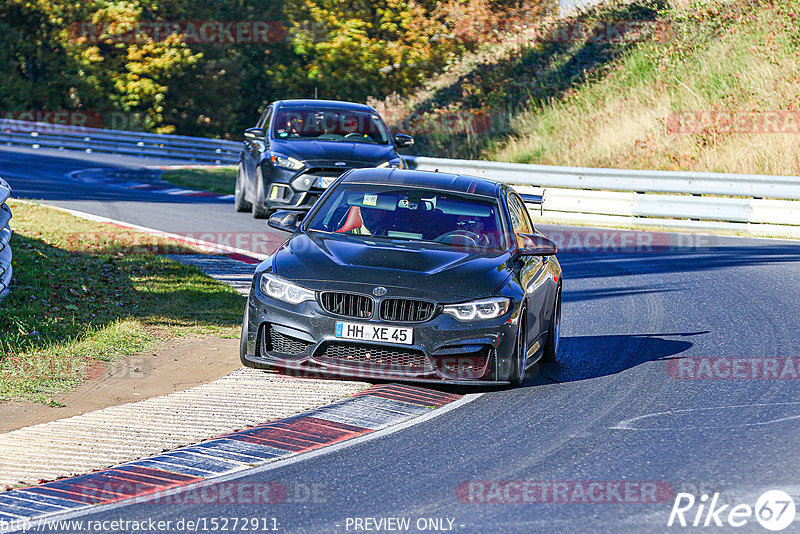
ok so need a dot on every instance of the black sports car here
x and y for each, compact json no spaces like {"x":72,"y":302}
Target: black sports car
{"x":409,"y":275}
{"x":299,"y":147}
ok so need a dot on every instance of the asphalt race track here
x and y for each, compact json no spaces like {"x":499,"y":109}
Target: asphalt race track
{"x":618,"y":420}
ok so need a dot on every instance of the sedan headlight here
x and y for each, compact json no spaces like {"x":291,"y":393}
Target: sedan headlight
{"x":279,"y":160}
{"x":280,"y":289}
{"x":479,"y":310}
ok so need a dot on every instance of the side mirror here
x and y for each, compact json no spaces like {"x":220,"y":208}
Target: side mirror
{"x":255,"y":133}
{"x":403,"y":140}
{"x":287,"y":221}
{"x":537,"y":245}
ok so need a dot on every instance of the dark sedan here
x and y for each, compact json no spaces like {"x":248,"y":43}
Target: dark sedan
{"x":407,"y":275}
{"x":299,"y":147}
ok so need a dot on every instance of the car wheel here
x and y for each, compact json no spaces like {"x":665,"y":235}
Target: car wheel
{"x":554,"y":335}
{"x":518,"y":365}
{"x":239,"y":202}
{"x":260,"y":210}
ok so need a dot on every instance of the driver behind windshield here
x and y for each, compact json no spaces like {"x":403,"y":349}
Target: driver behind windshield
{"x":330,"y":125}
{"x":412,"y":215}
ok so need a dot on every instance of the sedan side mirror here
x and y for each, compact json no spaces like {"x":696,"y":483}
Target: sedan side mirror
{"x":403,"y":140}
{"x":537,"y":245}
{"x":255,"y":133}
{"x":286,"y":221}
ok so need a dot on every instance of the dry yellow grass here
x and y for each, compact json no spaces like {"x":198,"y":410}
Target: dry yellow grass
{"x":748,"y":70}
{"x":729,"y":59}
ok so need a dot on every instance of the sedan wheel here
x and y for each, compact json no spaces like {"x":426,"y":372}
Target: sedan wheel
{"x":520,"y":355}
{"x":239,"y":201}
{"x":260,"y":211}
{"x":554,"y":335}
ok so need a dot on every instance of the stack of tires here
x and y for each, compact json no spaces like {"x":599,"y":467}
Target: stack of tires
{"x":5,"y":239}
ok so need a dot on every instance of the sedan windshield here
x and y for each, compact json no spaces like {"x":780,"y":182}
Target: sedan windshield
{"x":411,"y":214}
{"x":330,"y":125}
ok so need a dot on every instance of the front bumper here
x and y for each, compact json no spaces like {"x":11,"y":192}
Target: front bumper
{"x":300,"y":339}
{"x":289,"y":189}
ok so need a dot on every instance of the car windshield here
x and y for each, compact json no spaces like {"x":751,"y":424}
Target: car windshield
{"x":324,"y":124}
{"x":411,"y":214}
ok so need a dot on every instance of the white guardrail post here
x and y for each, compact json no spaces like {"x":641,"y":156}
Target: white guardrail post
{"x":62,"y":137}
{"x":5,"y":239}
{"x":761,"y":203}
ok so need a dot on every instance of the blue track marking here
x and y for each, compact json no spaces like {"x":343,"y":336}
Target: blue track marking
{"x":154,"y":463}
{"x":223,"y":451}
{"x":368,"y":412}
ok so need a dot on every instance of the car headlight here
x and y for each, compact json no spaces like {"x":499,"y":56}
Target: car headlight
{"x":479,"y":310}
{"x":279,"y":160}
{"x":280,"y":289}
{"x":395,"y":163}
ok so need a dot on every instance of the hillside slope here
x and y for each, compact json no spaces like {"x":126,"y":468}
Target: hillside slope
{"x":706,"y":86}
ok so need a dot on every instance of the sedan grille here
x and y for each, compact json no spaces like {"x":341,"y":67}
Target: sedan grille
{"x":347,"y":304}
{"x":274,"y":341}
{"x":399,"y":360}
{"x":406,"y":311}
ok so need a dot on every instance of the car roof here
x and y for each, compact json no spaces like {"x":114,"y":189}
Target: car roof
{"x":453,"y":183}
{"x":330,"y":104}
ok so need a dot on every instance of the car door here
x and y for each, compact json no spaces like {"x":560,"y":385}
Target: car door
{"x":533,"y":273}
{"x":254,"y":148}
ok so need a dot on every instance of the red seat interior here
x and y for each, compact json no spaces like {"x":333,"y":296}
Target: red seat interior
{"x":353,"y":220}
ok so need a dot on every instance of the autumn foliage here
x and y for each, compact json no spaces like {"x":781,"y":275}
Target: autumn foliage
{"x":149,"y":64}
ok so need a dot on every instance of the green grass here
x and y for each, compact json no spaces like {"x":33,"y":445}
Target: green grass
{"x":86,"y":292}
{"x":214,"y":179}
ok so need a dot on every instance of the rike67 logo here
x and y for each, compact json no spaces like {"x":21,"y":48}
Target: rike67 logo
{"x":774,"y":510}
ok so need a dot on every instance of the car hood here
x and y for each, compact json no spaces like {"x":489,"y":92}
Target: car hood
{"x":324,"y":261}
{"x":334,"y":151}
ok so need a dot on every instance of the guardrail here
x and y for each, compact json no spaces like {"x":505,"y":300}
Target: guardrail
{"x":759,"y":203}
{"x":62,"y":137}
{"x":677,"y":199}
{"x":5,"y":239}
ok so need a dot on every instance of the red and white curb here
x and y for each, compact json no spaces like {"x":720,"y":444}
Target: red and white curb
{"x":375,"y":409}
{"x":236,"y":253}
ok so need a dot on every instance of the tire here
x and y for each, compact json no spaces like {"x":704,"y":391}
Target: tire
{"x":260,"y":210}
{"x":517,"y":375}
{"x":554,"y":335}
{"x":240,"y":204}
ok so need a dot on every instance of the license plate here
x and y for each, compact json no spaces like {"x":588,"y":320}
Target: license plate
{"x":368,"y":332}
{"x":323,"y":182}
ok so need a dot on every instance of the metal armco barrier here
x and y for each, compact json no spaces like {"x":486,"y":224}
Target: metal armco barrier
{"x":677,"y":199}
{"x":62,"y":137}
{"x":5,"y":239}
{"x":757,"y":203}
